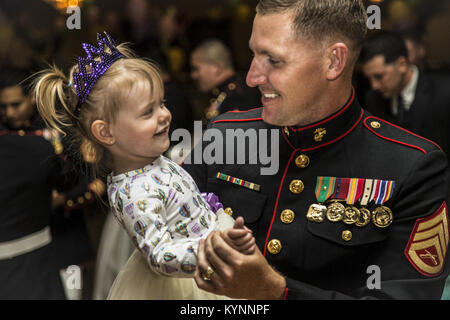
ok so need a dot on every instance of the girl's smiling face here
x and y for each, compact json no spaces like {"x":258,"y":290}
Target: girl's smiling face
{"x":141,"y":128}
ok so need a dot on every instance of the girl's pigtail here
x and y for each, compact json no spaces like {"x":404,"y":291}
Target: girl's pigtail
{"x":54,"y":99}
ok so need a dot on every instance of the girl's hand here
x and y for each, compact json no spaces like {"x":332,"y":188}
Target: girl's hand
{"x":241,"y":238}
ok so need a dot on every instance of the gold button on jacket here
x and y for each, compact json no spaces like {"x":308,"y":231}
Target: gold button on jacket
{"x":228,"y":211}
{"x":287,"y":216}
{"x":274,"y":246}
{"x":347,"y":235}
{"x":375,"y":124}
{"x":296,"y":186}
{"x":302,"y":161}
{"x":320,"y":249}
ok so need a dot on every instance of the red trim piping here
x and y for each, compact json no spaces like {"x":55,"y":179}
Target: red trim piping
{"x":278,"y":197}
{"x":238,"y":120}
{"x":407,"y":131}
{"x":329,"y":142}
{"x":285,"y":293}
{"x":236,"y":111}
{"x":416,"y":225}
{"x":392,"y":140}
{"x":285,"y":138}
{"x":338,"y":138}
{"x":331,"y":118}
{"x":289,"y":163}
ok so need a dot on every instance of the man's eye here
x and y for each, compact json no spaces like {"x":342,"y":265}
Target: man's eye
{"x":273,"y":62}
{"x":12,"y":104}
{"x":378,"y":77}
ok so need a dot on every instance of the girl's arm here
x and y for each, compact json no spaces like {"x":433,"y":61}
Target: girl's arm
{"x":168,"y":250}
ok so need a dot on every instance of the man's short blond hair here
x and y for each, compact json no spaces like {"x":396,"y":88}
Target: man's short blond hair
{"x":323,"y":19}
{"x":214,"y":51}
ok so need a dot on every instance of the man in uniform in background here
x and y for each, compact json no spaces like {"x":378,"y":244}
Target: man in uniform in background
{"x":401,"y":93}
{"x":357,"y":208}
{"x":213,"y":71}
{"x":36,"y":240}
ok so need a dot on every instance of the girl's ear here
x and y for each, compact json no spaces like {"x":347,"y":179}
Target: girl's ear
{"x":101,"y":131}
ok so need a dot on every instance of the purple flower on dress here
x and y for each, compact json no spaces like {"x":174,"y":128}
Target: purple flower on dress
{"x":213,"y":201}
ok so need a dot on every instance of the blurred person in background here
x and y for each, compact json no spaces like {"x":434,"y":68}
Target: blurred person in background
{"x":417,"y":51}
{"x":401,"y":93}
{"x":173,"y":43}
{"x":213,"y":71}
{"x":140,"y":25}
{"x":36,"y":244}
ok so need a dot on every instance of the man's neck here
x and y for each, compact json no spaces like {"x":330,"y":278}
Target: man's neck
{"x":224,"y":76}
{"x":337,"y":94}
{"x":408,"y":78}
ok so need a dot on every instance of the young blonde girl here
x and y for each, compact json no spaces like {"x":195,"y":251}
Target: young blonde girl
{"x":112,"y":105}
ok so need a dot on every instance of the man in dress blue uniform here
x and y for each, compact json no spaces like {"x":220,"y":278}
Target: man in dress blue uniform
{"x":357,"y":208}
{"x":34,"y":243}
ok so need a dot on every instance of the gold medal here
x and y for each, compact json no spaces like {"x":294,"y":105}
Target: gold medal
{"x":335,"y":212}
{"x":364,"y":218}
{"x":382,"y":217}
{"x":351,"y":215}
{"x":316,"y":213}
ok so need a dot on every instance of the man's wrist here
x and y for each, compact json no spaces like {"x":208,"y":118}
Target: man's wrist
{"x":279,"y":288}
{"x":276,"y":287}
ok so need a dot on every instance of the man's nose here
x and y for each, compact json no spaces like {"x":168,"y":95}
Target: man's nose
{"x":10,"y":111}
{"x":194,"y":74}
{"x":255,"y":76}
{"x":375,"y":84}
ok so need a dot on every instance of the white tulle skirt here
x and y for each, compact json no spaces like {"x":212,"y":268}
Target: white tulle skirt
{"x":136,"y":281}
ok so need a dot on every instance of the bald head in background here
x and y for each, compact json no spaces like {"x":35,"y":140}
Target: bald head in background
{"x":211,"y":63}
{"x":214,"y":73}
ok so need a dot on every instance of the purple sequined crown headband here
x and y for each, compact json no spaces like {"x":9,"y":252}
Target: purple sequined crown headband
{"x":90,"y":69}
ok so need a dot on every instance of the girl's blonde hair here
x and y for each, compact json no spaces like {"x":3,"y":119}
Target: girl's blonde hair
{"x":56,"y":100}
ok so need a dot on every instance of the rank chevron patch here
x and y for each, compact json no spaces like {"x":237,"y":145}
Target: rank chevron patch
{"x":428,"y":243}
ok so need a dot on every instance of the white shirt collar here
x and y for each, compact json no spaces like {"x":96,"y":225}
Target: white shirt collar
{"x":409,"y":93}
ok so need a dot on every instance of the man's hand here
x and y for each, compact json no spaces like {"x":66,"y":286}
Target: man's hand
{"x":236,"y":275}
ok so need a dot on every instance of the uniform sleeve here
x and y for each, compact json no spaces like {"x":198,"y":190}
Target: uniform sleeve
{"x":143,"y":217}
{"x":412,"y":261}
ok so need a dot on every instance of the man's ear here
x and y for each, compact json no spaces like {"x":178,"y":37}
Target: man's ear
{"x":338,"y":60}
{"x":102,"y":132}
{"x":402,"y":64}
{"x":217,"y":69}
